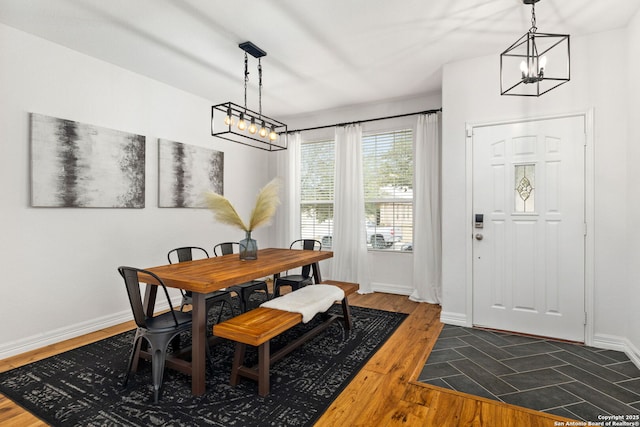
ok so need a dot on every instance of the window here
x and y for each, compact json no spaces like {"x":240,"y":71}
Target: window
{"x":388,"y":189}
{"x":316,"y":191}
{"x":388,"y":178}
{"x":525,"y":188}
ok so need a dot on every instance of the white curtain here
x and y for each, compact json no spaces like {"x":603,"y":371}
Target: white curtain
{"x":427,"y":240}
{"x":287,"y":218}
{"x":349,"y":223}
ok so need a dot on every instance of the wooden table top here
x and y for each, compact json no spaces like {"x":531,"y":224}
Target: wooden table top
{"x":211,"y":274}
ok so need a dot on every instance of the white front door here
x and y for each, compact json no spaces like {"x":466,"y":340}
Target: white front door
{"x":528,"y":257}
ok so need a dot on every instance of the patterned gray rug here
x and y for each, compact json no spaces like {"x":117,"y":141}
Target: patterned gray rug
{"x":82,"y":387}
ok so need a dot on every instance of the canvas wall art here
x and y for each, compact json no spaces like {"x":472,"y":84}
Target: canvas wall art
{"x":186,"y":173}
{"x":85,"y":166}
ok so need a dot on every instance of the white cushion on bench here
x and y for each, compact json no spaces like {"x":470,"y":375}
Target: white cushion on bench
{"x":308,"y":301}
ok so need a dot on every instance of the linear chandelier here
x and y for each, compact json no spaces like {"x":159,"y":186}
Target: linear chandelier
{"x":536,"y":62}
{"x":239,"y":124}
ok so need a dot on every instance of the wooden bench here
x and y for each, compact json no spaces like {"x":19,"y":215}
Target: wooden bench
{"x":258,"y":326}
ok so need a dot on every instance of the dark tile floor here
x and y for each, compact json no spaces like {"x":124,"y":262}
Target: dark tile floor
{"x":564,"y":379}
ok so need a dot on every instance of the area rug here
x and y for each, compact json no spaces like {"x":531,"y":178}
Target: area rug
{"x":82,"y":387}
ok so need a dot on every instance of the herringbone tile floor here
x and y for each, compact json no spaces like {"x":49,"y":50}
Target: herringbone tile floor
{"x":565,"y":379}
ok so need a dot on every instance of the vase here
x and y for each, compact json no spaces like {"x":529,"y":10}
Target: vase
{"x":248,"y":247}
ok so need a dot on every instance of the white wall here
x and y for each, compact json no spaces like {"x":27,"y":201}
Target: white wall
{"x":389,"y":271}
{"x":59,"y":275}
{"x":599,"y":80}
{"x":632,"y":327}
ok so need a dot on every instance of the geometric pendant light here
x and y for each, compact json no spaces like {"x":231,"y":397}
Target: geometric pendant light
{"x":239,"y":124}
{"x":536,"y":62}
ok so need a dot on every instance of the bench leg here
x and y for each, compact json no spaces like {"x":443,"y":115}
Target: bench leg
{"x":263,"y":368}
{"x":261,"y":373}
{"x":346,"y":312}
{"x":238,"y":361}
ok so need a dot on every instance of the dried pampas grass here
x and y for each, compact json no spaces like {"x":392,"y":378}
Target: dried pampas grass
{"x":266,"y":204}
{"x":223,"y":211}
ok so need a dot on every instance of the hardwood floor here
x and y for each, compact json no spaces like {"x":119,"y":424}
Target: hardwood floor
{"x":384,"y":393}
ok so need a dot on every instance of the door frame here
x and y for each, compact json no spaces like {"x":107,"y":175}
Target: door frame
{"x":589,"y":205}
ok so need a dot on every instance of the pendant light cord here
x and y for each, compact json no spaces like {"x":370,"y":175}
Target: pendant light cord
{"x":260,"y":88}
{"x":246,"y":79}
{"x":533,"y":28}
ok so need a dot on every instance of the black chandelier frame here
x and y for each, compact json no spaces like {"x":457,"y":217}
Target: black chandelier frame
{"x":230,"y":132}
{"x":273,"y":134}
{"x":526,"y":48}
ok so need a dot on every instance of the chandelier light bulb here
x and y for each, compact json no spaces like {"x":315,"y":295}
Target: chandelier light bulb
{"x":542,"y":63}
{"x":252,"y":127}
{"x":524,"y":69}
{"x":263,"y":130}
{"x":228,"y":120}
{"x":273,"y":135}
{"x":242,"y":125}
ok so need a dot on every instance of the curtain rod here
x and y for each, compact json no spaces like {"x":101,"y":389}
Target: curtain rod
{"x":367,"y":120}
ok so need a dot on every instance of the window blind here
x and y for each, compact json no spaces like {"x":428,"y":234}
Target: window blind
{"x":316,"y":191}
{"x":388,"y":192}
{"x":388,"y":177}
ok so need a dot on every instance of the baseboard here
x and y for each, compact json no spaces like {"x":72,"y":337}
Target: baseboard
{"x":391,"y":289}
{"x":456,"y":319}
{"x":612,"y":342}
{"x":46,"y":338}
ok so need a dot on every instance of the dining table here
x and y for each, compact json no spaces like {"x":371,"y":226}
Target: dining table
{"x":212,"y":274}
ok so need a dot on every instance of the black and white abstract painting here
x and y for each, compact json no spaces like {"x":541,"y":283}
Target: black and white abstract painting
{"x":80,"y":165}
{"x":186,"y":173}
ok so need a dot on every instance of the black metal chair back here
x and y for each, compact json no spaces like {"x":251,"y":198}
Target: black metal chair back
{"x":183,"y":254}
{"x":226,"y":248}
{"x":308,"y":245}
{"x":296,"y":281}
{"x":186,"y":253}
{"x":244,"y":290}
{"x":132,"y":283}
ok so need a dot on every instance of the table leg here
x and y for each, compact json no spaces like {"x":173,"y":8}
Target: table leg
{"x":150,"y":293}
{"x":199,"y":340}
{"x":316,"y":273}
{"x":346,"y":312}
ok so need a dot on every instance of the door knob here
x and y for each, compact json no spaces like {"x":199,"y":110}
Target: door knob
{"x":479,"y":236}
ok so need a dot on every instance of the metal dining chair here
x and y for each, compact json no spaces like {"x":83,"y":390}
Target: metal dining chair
{"x":223,"y":296}
{"x":157,"y":330}
{"x":244,"y":290}
{"x":297,"y":281}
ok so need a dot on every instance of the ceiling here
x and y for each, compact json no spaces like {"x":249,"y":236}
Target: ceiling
{"x":320,"y":53}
